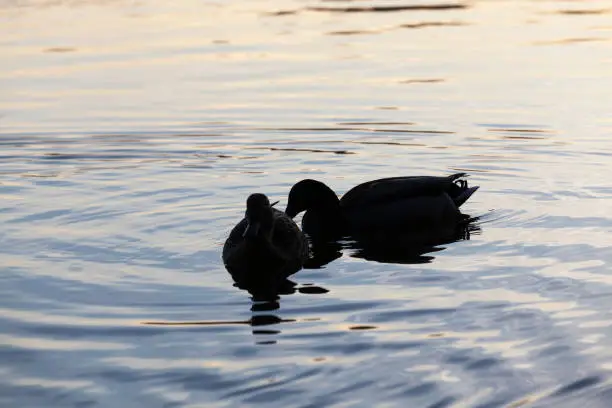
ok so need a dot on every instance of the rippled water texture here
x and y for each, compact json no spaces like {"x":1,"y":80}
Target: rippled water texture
{"x":132,"y":132}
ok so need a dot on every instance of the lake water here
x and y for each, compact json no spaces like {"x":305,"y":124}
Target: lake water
{"x":132,"y":133}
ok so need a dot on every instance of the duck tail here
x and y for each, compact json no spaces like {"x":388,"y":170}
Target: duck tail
{"x":457,"y":176}
{"x":464,"y":195}
{"x":460,"y":192}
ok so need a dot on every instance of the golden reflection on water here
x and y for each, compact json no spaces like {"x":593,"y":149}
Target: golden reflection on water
{"x":178,"y":42}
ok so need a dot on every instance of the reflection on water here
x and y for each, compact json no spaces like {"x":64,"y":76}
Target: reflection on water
{"x":402,"y":248}
{"x":412,"y":249}
{"x":131,"y":134}
{"x":357,"y":9}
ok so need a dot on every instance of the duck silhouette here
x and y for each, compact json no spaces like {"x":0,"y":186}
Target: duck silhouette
{"x":379,"y":208}
{"x":264,"y":248}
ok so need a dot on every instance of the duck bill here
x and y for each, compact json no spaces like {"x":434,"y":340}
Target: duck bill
{"x":251,"y":230}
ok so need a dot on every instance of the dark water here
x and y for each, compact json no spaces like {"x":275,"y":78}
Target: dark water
{"x":132,"y":133}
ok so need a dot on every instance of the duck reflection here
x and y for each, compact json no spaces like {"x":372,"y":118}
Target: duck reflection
{"x":411,"y":247}
{"x":265,"y":290}
{"x":267,"y":293}
{"x":323,"y":252}
{"x":257,"y":322}
{"x":262,"y":321}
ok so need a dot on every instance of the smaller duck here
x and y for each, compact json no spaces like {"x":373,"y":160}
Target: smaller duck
{"x":379,"y":208}
{"x":265,"y":247}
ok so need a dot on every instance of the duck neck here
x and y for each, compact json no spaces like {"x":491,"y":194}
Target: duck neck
{"x":324,"y":220}
{"x":327,"y":203}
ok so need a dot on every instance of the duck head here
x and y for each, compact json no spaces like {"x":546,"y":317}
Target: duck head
{"x":311,"y":195}
{"x":259,"y":216}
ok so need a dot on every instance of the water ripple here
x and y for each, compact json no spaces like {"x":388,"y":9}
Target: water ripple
{"x":132,"y":135}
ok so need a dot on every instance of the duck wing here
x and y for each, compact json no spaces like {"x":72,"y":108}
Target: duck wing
{"x":234,"y":239}
{"x":288,"y":240}
{"x":391,"y":189}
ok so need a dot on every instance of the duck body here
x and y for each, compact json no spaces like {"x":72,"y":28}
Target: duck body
{"x":265,"y":247}
{"x":388,"y":206}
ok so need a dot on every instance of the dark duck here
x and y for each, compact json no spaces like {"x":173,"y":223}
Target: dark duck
{"x":385,"y":207}
{"x":265,"y":247}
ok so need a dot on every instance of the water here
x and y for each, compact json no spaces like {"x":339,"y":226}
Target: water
{"x":133,"y":132}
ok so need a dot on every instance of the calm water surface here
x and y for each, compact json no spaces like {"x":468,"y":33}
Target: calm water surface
{"x":132,"y":132}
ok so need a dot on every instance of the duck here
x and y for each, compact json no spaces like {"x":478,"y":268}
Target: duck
{"x":265,"y":247}
{"x":380,"y":208}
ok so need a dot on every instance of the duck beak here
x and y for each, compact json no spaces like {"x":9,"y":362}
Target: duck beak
{"x":251,"y":230}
